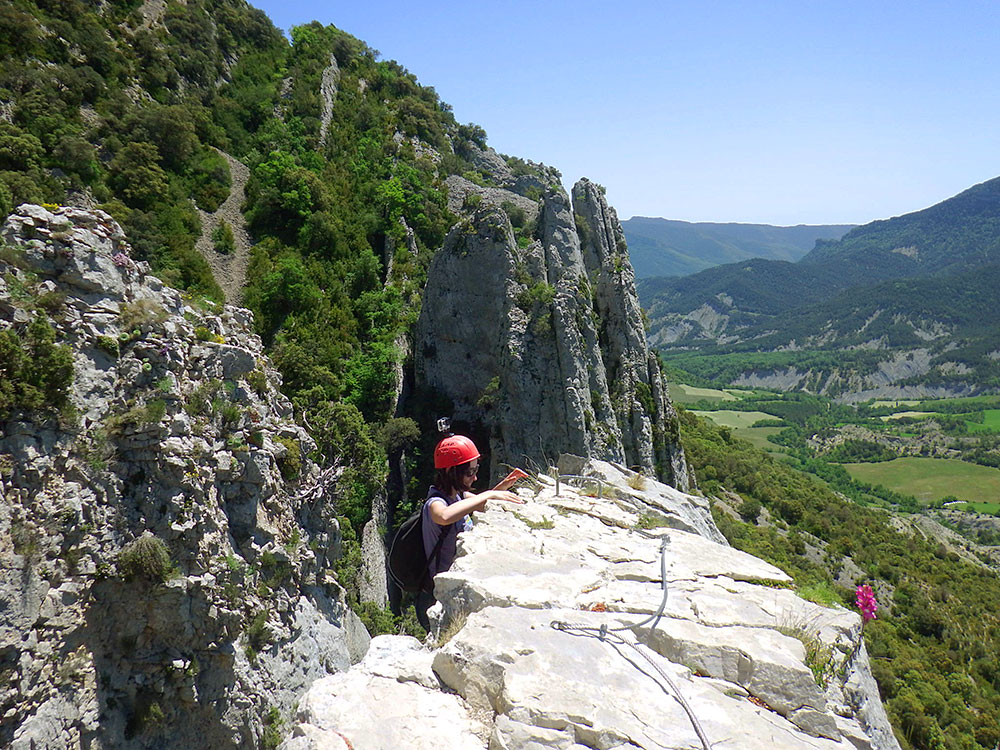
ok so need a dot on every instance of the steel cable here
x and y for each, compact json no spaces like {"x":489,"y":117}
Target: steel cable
{"x":612,"y":635}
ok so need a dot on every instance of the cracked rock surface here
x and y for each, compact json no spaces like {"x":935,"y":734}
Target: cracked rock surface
{"x":180,"y":443}
{"x":758,"y":666}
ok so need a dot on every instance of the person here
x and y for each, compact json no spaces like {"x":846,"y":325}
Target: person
{"x":448,"y":506}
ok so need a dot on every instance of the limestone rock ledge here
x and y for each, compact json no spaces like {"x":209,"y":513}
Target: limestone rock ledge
{"x":758,"y":666}
{"x":182,"y":446}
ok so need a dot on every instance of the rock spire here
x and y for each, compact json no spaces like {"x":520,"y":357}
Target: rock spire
{"x":538,"y":341}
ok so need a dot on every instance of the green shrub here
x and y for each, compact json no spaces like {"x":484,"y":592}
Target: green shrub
{"x":108,"y":344}
{"x":35,"y":372}
{"x":749,"y":510}
{"x":222,"y":238}
{"x":490,"y":396}
{"x":540,"y":293}
{"x":204,"y":334}
{"x":6,"y":200}
{"x":209,"y":180}
{"x":273,"y":722}
{"x":136,"y":175}
{"x":518,"y":218}
{"x":155,"y":410}
{"x":148,"y":413}
{"x":348,"y":566}
{"x":145,"y":558}
{"x":257,"y":380}
{"x":229,"y":412}
{"x":257,"y":635}
{"x":381,"y":621}
{"x":400,"y":433}
{"x":649,"y":521}
{"x":290,"y":464}
{"x":142,"y":312}
{"x":199,"y":401}
{"x":51,"y":302}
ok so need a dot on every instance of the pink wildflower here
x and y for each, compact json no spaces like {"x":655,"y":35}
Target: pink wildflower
{"x":122,"y":260}
{"x":865,"y":599}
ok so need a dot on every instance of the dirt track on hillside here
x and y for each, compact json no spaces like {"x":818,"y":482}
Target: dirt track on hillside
{"x":230,"y":271}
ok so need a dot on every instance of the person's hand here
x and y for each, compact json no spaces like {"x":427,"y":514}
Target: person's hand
{"x":510,"y":497}
{"x":508,"y":481}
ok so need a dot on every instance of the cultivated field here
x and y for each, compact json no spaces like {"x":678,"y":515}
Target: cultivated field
{"x":688,"y":394}
{"x":991,"y":422}
{"x":740,"y":423}
{"x":931,"y":479}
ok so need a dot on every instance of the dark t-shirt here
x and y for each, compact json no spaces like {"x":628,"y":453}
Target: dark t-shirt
{"x":433,"y":532}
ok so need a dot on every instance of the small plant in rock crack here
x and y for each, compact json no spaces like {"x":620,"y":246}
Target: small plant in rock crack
{"x":257,"y":380}
{"x":199,"y":402}
{"x":150,"y":413}
{"x":637,"y":481}
{"x":236,"y":443}
{"x":273,"y":722}
{"x":257,"y":635}
{"x":97,"y":450}
{"x":229,"y":412}
{"x":545,"y":523}
{"x":205,"y":334}
{"x":146,"y":558}
{"x":818,"y":655}
{"x":649,"y":521}
{"x":142,"y":312}
{"x":108,"y":345}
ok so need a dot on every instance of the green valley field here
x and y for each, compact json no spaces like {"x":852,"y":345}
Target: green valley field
{"x":741,"y":423}
{"x":931,"y":479}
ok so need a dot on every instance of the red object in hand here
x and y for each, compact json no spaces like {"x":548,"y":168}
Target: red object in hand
{"x":509,"y":480}
{"x":515,"y":475}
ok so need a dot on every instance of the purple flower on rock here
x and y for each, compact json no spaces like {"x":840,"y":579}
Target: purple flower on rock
{"x":864,"y":597}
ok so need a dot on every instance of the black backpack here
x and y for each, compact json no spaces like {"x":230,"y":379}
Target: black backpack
{"x":408,"y":566}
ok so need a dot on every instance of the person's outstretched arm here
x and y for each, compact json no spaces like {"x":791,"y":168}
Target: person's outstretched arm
{"x":443,"y":514}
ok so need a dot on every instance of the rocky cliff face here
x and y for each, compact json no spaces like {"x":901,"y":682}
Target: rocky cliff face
{"x":533,"y":331}
{"x":164,"y":553}
{"x":521,"y":661}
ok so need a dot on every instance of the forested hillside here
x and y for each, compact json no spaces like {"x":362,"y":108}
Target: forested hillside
{"x":954,"y":236}
{"x":935,"y":641}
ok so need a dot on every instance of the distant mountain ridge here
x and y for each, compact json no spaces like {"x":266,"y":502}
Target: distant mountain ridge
{"x":666,"y":247}
{"x":918,"y":286}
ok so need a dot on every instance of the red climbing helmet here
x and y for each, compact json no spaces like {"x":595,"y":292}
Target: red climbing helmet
{"x":454,"y":450}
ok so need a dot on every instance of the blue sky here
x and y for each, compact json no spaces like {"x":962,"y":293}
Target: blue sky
{"x":770,"y":112}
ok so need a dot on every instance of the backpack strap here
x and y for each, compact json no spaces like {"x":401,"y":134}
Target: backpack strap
{"x":435,"y":554}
